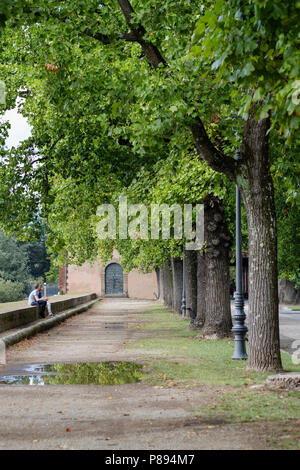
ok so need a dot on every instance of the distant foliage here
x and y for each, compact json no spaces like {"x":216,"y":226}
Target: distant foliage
{"x":22,"y":263}
{"x":13,"y":260}
{"x":289,"y":244}
{"x":11,"y":291}
{"x":38,"y":259}
{"x":286,"y":175}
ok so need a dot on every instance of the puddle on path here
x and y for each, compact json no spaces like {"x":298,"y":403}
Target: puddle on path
{"x":81,"y":373}
{"x":115,"y":325}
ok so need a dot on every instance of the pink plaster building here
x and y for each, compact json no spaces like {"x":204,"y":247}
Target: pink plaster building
{"x":110,"y":280}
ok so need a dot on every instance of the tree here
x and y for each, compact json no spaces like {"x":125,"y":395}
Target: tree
{"x":7,"y":8}
{"x":177,"y":274}
{"x":11,"y":291}
{"x":252,"y":46}
{"x":13,"y":260}
{"x":217,"y":319}
{"x":22,"y":263}
{"x":185,"y":180}
{"x":38,"y":259}
{"x":14,"y":273}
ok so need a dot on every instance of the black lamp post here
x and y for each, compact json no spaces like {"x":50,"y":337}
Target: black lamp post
{"x":239,"y":317}
{"x":183,"y":301}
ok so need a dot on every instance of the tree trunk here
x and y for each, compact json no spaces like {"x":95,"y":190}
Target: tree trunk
{"x":256,"y":186}
{"x":201,"y":290}
{"x":157,"y":271}
{"x":161,"y":285}
{"x":252,"y":174}
{"x":190,"y":270}
{"x":218,"y":321}
{"x":167,"y":283}
{"x":177,"y":284}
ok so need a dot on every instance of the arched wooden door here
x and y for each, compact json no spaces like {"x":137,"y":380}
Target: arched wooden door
{"x":114,"y":279}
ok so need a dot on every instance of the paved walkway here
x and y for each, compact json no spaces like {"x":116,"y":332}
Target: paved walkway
{"x":133,"y":416}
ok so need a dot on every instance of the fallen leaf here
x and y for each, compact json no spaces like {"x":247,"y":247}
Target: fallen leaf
{"x":59,"y":412}
{"x":68,"y":430}
{"x":110,"y":398}
{"x":35,"y":441}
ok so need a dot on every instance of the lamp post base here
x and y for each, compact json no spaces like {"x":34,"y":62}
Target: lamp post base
{"x":240,"y":350}
{"x":239,"y":330}
{"x":183,"y":310}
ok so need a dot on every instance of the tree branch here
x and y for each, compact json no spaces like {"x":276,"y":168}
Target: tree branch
{"x":205,"y":148}
{"x":151,"y":52}
{"x":99,"y":36}
{"x":38,"y":160}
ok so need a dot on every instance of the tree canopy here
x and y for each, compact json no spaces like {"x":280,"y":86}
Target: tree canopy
{"x":21,"y":265}
{"x":101,"y":116}
{"x":254,"y":46}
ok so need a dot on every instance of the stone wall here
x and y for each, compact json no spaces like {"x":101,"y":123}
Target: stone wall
{"x":15,"y":318}
{"x":142,"y":286}
{"x":137,"y":285}
{"x":287,"y":292}
{"x":23,"y":316}
{"x":85,"y":278}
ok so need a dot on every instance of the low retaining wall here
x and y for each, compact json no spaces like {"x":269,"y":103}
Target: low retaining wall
{"x":288,"y":293}
{"x":23,"y":316}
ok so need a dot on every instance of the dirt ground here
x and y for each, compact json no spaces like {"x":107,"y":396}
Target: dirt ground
{"x":133,"y":416}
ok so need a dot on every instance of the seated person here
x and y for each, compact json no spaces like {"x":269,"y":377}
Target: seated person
{"x":35,"y":298}
{"x":40,"y":295}
{"x":39,"y":291}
